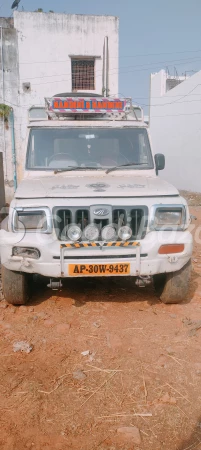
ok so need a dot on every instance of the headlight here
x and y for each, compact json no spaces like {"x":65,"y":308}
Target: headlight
{"x":91,"y":233}
{"x":108,"y":233}
{"x":26,"y":252}
{"x":125,"y":233}
{"x":168,"y":218}
{"x":74,"y":232}
{"x":32,"y":220}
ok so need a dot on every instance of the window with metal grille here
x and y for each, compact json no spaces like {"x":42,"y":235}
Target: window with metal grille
{"x":82,"y":74}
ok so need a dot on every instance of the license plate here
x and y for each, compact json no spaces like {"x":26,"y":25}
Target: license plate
{"x":98,"y":269}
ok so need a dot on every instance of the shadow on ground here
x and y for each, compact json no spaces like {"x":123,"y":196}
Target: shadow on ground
{"x":83,"y":290}
{"x":194,"y":441}
{"x":100,"y":289}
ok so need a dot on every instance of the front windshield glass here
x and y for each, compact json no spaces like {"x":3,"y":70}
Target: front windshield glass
{"x":63,"y":148}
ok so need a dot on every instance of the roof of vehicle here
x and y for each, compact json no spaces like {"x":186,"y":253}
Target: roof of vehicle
{"x":87,"y":124}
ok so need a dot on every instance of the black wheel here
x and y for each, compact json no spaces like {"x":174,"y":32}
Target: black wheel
{"x":16,"y":286}
{"x":173,"y":287}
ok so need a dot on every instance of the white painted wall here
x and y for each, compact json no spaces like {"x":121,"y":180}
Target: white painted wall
{"x":175,"y":125}
{"x":9,"y":95}
{"x":45,"y":42}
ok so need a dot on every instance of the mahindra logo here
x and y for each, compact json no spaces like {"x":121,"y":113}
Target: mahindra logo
{"x":101,"y":212}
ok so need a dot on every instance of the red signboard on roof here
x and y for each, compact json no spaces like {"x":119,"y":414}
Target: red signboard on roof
{"x":87,"y":105}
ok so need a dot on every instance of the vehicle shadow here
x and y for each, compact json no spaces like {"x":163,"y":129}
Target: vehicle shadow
{"x":100,"y":289}
{"x":194,"y":440}
{"x":83,"y":290}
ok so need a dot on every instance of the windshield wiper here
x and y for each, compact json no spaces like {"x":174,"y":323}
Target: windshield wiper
{"x":124,"y":165}
{"x":70,"y":168}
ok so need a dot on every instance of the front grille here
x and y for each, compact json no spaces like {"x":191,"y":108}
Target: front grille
{"x":136,"y":218}
{"x":64,"y":217}
{"x":100,"y":223}
{"x":82,"y":218}
{"x":119,"y":217}
{"x":138,"y":223}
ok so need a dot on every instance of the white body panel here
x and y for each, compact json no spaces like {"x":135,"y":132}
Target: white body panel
{"x":49,"y":247}
{"x":49,"y":263}
{"x":82,"y":189}
{"x":124,"y":184}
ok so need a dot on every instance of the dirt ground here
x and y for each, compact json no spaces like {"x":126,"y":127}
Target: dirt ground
{"x":141,"y":367}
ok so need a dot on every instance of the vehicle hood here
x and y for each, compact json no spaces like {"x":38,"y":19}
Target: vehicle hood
{"x":99,"y":186}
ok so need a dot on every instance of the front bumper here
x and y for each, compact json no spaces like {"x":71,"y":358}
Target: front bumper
{"x":55,"y":258}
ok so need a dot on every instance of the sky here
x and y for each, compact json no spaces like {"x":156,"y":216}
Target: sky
{"x":154,"y":34}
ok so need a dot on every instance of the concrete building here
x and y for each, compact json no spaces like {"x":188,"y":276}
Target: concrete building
{"x":43,"y":54}
{"x":175,"y":125}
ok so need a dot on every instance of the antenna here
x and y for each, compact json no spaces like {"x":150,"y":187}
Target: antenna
{"x":167,"y":71}
{"x":175,"y":73}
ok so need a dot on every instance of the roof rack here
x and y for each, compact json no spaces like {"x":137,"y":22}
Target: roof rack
{"x":68,"y":106}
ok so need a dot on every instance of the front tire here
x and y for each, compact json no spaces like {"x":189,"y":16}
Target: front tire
{"x":173,"y":287}
{"x":16,"y":286}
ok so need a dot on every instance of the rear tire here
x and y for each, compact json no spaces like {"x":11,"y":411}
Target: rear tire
{"x":16,"y":286}
{"x":173,"y":287}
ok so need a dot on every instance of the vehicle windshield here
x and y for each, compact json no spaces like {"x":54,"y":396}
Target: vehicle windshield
{"x":98,"y":148}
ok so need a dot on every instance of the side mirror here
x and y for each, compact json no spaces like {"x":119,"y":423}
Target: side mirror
{"x":159,"y":161}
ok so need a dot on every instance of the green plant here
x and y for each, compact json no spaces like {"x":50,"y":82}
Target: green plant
{"x":39,"y":10}
{"x":51,"y":11}
{"x":5,"y":113}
